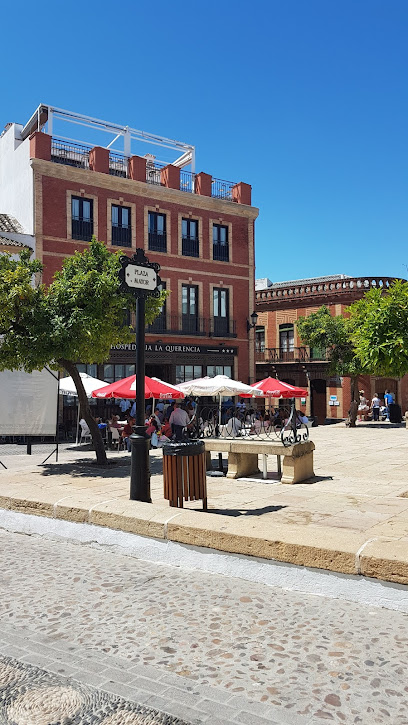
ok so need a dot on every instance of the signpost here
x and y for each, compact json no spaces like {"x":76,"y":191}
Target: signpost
{"x":140,"y":277}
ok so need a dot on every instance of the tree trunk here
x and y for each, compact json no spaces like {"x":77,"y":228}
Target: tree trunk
{"x":71,"y":368}
{"x":352,"y":414}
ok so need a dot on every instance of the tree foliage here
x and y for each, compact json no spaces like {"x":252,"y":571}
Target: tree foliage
{"x":76,"y":319}
{"x":378,"y":328}
{"x":332,"y":334}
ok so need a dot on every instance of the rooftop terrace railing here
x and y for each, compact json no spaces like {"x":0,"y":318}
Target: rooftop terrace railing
{"x":74,"y":154}
{"x":70,"y":153}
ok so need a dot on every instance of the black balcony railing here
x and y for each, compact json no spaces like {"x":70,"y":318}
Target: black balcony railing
{"x":187,"y":181}
{"x":158,"y":241}
{"x":82,"y":229}
{"x":221,"y":252}
{"x":70,"y":154}
{"x":122,"y":236}
{"x":223,"y":327}
{"x":117,"y":165}
{"x":298,"y":354}
{"x":153,"y":175}
{"x":190,"y":247}
{"x":222,"y":189}
{"x":190,"y":325}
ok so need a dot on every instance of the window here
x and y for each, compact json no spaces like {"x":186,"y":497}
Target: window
{"x":189,"y":233}
{"x":157,"y":232}
{"x":112,"y":373}
{"x":160,"y":323}
{"x":91,"y":370}
{"x":121,"y":226}
{"x":286,"y":342}
{"x":213,"y":370}
{"x":82,"y":218}
{"x":188,"y":372}
{"x":220,"y":243}
{"x":189,"y":308}
{"x":221,"y":311}
{"x":260,"y":339}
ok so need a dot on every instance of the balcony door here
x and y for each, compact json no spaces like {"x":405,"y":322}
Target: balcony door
{"x":221,"y":312}
{"x":286,"y":342}
{"x":189,"y":308}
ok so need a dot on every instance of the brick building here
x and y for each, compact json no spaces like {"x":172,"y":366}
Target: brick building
{"x":279,"y":352}
{"x":199,"y":229}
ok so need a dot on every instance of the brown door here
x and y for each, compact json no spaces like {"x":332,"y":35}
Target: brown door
{"x":318,"y":400}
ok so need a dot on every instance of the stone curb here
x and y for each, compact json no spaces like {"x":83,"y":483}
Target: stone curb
{"x":328,"y":548}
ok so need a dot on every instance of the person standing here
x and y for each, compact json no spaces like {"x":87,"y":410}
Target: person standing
{"x":362,"y":406}
{"x":179,"y":420}
{"x":388,"y":400}
{"x":375,"y":407}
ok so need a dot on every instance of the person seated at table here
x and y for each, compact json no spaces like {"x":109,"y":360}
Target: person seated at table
{"x":301,"y":418}
{"x":166,"y":428}
{"x":233,"y":426}
{"x":157,"y":439}
{"x":159,"y":415}
{"x":152,"y":426}
{"x":267,"y":422}
{"x":114,"y":422}
{"x":127,"y":432}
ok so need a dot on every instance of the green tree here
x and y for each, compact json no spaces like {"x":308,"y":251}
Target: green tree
{"x":333,"y":334}
{"x":379,"y":330}
{"x":76,"y":319}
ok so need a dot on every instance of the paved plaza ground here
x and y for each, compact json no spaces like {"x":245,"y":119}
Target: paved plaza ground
{"x":352,"y":517}
{"x":203,"y":647}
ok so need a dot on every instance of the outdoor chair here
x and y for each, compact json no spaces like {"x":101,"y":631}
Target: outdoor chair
{"x":85,"y":434}
{"x":117,"y":439}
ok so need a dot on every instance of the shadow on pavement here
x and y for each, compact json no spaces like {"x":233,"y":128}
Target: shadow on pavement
{"x":246,"y":512}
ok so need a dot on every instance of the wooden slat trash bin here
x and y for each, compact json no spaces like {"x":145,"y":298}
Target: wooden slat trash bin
{"x":184,"y":473}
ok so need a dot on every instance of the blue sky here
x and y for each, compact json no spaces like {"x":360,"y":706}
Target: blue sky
{"x":306,"y":100}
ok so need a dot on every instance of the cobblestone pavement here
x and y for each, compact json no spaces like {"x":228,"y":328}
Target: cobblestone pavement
{"x":199,"y":646}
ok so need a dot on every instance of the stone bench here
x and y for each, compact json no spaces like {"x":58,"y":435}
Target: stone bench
{"x":243,"y":457}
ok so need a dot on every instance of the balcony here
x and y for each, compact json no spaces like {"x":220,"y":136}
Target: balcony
{"x":82,"y":229}
{"x":190,"y":247}
{"x":189,"y":325}
{"x":297,"y":355}
{"x":121,"y":236}
{"x":158,"y":241}
{"x":221,"y":252}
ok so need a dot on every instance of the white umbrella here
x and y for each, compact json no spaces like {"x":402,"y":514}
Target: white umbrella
{"x":67,"y":387}
{"x":220,"y":385}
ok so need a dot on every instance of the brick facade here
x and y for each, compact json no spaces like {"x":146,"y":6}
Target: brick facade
{"x":281,"y":306}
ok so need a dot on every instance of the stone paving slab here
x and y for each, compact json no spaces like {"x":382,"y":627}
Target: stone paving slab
{"x":203,"y":647}
{"x":352,"y":517}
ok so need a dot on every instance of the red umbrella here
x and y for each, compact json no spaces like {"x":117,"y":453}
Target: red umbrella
{"x":126,"y":388}
{"x":273,"y":388}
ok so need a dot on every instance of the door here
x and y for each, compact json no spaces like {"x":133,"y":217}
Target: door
{"x":318,"y":400}
{"x":189,"y":308}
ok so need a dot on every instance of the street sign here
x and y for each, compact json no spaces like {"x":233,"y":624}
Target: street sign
{"x":140,"y":277}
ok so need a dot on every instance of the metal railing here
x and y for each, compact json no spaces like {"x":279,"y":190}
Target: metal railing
{"x":82,"y":229}
{"x":222,"y":189}
{"x":223,"y":327}
{"x":252,"y":420}
{"x":221,"y":252}
{"x":70,"y":153}
{"x":190,"y":247}
{"x":189,"y":325}
{"x":298,"y":354}
{"x":121,"y":236}
{"x":117,"y":165}
{"x":187,"y":181}
{"x":158,"y":241}
{"x":153,"y":173}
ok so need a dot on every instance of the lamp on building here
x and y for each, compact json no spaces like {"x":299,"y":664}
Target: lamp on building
{"x":254,"y":319}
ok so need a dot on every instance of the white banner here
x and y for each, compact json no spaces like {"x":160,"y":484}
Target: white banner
{"x":28,"y":403}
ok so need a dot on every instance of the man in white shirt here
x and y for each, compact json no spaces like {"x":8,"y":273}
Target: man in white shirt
{"x":179,"y":420}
